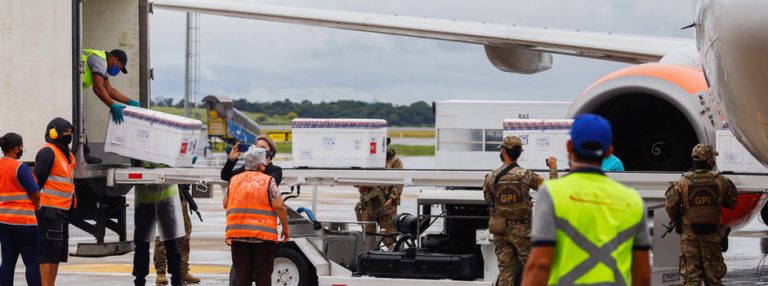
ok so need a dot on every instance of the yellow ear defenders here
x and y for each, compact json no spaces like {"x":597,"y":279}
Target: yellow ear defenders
{"x":53,"y":134}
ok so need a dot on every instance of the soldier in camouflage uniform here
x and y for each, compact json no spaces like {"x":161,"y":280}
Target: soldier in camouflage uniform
{"x":506,"y":191}
{"x":372,"y":207}
{"x":159,"y":258}
{"x":695,"y":200}
{"x":393,"y":192}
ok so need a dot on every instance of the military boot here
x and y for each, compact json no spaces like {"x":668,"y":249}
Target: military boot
{"x":188,"y":278}
{"x":161,"y":278}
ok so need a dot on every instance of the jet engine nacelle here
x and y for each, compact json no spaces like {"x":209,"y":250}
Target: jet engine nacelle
{"x":658,"y":112}
{"x":517,"y":60}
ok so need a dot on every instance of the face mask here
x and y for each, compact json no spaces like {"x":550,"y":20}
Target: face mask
{"x":21,"y":152}
{"x":501,"y":157}
{"x":267,"y":153}
{"x":66,"y":139}
{"x":113,"y":70}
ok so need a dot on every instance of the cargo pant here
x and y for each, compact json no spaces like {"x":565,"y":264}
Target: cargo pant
{"x":160,"y":260}
{"x":701,"y":259}
{"x":512,"y":251}
{"x":375,"y":211}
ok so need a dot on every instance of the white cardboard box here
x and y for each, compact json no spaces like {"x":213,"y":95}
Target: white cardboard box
{"x":339,"y":143}
{"x":155,"y":137}
{"x":733,"y":157}
{"x":541,"y":138}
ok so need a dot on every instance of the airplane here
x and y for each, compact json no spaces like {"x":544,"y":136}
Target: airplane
{"x":678,"y":94}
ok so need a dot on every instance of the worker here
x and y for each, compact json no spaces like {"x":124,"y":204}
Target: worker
{"x":506,"y":190}
{"x":19,"y":199}
{"x":588,"y":228}
{"x":98,"y":66}
{"x":160,"y":255}
{"x":393,"y":192}
{"x":157,"y":205}
{"x":54,"y":167}
{"x":263,"y":141}
{"x":253,"y":206}
{"x":696,"y":200}
{"x":373,"y":210}
{"x":612,"y":164}
{"x":227,"y":172}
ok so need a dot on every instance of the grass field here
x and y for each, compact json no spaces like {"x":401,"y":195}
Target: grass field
{"x":401,"y":150}
{"x":260,"y":118}
{"x":411,"y":134}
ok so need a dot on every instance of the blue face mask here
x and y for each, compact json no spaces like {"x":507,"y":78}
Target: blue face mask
{"x":113,"y":70}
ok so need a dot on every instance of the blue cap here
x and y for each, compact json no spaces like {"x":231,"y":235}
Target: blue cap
{"x":591,"y":128}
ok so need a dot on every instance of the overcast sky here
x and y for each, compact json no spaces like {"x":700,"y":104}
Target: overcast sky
{"x":265,"y":61}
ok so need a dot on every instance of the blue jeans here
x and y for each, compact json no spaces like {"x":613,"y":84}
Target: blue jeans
{"x":23,"y":239}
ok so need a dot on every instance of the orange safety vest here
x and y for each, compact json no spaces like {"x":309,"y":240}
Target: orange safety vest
{"x":15,"y":205}
{"x":249,"y":211}
{"x":59,"y":190}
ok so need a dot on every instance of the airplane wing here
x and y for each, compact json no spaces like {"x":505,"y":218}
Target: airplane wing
{"x":606,"y":46}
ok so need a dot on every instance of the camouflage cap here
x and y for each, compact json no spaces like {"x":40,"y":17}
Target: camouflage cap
{"x":511,"y":141}
{"x":703,"y":151}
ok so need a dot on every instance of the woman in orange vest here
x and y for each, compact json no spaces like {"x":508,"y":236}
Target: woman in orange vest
{"x":19,"y":198}
{"x":253,"y":206}
{"x":54,"y":167}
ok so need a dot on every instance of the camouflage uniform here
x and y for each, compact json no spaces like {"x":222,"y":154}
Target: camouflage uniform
{"x":372,"y":207}
{"x":513,"y":209}
{"x":701,"y":259}
{"x":159,"y":259}
{"x":394,"y":192}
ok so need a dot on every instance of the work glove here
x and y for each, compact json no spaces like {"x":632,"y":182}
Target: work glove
{"x":133,"y":102}
{"x":117,"y":112}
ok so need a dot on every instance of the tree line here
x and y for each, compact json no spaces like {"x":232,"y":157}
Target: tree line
{"x":416,"y":114}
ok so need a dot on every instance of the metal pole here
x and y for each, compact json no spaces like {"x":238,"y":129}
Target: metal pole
{"x":314,"y":200}
{"x":186,"y":68}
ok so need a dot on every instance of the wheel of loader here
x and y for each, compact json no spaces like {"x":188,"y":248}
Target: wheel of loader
{"x":290,"y":269}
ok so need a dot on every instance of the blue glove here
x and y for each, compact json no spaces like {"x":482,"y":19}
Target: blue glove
{"x":194,"y":159}
{"x":117,"y":112}
{"x":133,"y":102}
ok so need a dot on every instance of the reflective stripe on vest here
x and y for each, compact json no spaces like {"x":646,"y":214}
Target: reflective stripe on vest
{"x":15,"y":206}
{"x":249,"y":212}
{"x":155,"y":193}
{"x":87,"y":75}
{"x":596,"y":220}
{"x":59,"y":190}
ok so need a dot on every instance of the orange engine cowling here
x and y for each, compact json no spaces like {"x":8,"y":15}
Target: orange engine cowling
{"x":658,"y":112}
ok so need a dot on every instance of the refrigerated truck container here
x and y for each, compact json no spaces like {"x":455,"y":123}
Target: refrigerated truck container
{"x":40,"y":79}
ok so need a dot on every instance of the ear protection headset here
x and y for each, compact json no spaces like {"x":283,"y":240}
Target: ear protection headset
{"x":52,"y":132}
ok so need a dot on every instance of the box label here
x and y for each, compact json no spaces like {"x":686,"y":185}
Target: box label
{"x":184,"y":148}
{"x":142,"y":135}
{"x":373,"y":147}
{"x":542,"y":142}
{"x":329,"y":142}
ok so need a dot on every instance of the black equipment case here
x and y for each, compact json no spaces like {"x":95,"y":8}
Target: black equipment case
{"x":410,"y":264}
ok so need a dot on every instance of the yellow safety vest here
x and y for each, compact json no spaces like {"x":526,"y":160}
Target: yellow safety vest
{"x":87,"y":76}
{"x":596,"y":219}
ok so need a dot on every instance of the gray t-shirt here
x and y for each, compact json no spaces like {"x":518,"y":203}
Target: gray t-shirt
{"x":97,"y":65}
{"x":544,"y":230}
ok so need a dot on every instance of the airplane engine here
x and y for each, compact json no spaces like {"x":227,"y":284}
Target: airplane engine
{"x":517,"y":60}
{"x":658,"y":112}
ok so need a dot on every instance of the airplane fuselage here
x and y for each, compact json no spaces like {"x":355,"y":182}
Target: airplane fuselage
{"x":733,"y":46}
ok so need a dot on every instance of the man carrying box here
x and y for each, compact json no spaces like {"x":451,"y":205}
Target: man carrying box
{"x":98,"y":64}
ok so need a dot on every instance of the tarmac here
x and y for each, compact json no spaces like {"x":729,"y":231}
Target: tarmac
{"x":210,"y":257}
